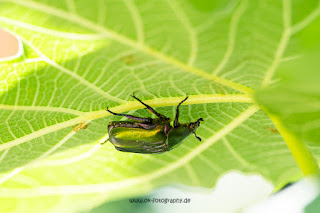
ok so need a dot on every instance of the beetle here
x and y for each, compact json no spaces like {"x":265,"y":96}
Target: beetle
{"x":147,"y":135}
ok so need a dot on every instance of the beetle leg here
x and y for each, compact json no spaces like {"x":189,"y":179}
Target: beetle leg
{"x":148,"y":126}
{"x":105,"y":141}
{"x":148,"y":120}
{"x":197,"y":136}
{"x":176,"y":120}
{"x":150,"y":108}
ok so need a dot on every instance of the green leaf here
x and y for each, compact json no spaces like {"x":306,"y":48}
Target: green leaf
{"x":80,"y":58}
{"x":295,"y":101}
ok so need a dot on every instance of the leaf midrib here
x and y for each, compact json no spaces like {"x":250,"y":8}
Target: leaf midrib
{"x":131,"y":105}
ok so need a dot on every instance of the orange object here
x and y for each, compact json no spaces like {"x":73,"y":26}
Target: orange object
{"x":9,"y":45}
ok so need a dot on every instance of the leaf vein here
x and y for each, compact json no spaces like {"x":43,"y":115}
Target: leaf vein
{"x":232,"y":36}
{"x":51,"y":32}
{"x":237,"y":156}
{"x":74,"y":75}
{"x":124,"y":40}
{"x":306,"y":21}
{"x":136,"y":19}
{"x":282,"y":44}
{"x":192,"y":33}
{"x":94,"y":188}
{"x":45,"y":154}
{"x":159,"y":102}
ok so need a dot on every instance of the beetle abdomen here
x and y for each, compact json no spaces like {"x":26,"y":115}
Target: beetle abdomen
{"x":138,"y":140}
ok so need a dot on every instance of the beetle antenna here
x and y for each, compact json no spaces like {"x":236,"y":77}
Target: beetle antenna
{"x":197,"y":136}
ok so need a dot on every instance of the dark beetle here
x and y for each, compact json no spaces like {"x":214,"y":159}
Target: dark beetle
{"x":147,"y":135}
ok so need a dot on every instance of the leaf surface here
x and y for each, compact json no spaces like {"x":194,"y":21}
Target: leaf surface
{"x":81,"y":58}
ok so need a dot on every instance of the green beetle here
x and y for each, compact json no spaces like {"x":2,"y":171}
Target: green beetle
{"x":147,"y":135}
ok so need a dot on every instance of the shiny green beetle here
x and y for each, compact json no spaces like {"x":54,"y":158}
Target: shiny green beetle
{"x":147,"y":135}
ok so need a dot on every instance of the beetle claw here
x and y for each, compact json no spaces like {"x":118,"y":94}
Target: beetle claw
{"x":197,"y":136}
{"x":104,"y":142}
{"x":133,"y":95}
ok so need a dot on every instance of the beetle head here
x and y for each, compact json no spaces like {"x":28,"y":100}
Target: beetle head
{"x":194,"y":126}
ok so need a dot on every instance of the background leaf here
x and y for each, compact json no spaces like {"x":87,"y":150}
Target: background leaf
{"x":296,"y":99}
{"x":80,"y":58}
